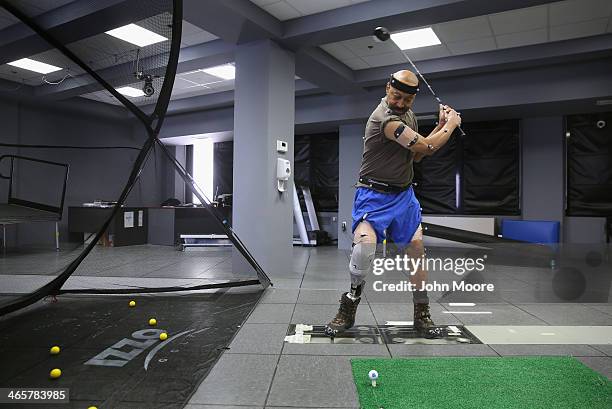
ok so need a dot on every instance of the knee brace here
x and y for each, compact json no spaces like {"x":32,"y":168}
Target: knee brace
{"x":360,"y":265}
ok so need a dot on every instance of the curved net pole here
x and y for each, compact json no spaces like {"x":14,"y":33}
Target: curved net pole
{"x":152,"y":125}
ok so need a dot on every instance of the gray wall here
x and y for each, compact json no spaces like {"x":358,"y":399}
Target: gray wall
{"x":264,"y":111}
{"x":94,"y":174}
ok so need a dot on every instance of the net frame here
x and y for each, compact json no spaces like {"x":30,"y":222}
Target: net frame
{"x":152,"y":124}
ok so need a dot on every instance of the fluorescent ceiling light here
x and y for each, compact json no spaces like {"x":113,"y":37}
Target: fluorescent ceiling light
{"x":136,"y":35}
{"x":226,"y":71}
{"x":130,"y":92}
{"x":36,"y":66}
{"x":422,"y":37}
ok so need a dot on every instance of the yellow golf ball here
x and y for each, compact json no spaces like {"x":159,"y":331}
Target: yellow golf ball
{"x":152,"y":322}
{"x":132,"y":303}
{"x":92,"y":407}
{"x":163,"y":336}
{"x":55,"y":373}
{"x":54,"y":350}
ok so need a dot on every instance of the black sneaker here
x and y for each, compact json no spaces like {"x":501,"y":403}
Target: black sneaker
{"x":345,"y":318}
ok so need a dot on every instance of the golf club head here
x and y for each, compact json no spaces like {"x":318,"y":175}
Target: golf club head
{"x":381,"y":34}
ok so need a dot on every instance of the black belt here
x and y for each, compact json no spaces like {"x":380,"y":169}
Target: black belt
{"x":385,"y":187}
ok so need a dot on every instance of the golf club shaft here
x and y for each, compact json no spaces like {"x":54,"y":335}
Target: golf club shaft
{"x":428,"y":86}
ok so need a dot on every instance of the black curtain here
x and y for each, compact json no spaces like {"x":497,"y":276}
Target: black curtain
{"x":316,"y":166}
{"x":301,"y":160}
{"x":435,"y":178}
{"x":324,"y":170}
{"x":223,"y":167}
{"x":589,"y":165}
{"x":490,"y":168}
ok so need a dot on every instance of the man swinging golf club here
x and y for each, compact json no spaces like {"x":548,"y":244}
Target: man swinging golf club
{"x":385,"y":206}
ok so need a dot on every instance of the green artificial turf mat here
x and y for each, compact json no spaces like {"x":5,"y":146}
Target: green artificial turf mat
{"x":491,"y":383}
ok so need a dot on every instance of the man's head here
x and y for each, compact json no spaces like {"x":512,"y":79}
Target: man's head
{"x":401,"y":100}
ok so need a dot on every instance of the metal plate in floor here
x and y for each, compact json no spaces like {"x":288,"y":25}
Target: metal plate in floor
{"x":388,"y":334}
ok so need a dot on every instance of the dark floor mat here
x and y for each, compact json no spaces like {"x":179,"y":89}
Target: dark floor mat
{"x":111,"y":357}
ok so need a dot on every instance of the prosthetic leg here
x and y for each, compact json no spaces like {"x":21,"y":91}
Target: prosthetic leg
{"x":362,"y":255}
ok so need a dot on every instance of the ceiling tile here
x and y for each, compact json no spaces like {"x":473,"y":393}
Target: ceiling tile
{"x":466,"y":29}
{"x":576,"y":30}
{"x":367,"y":46}
{"x":306,"y":7}
{"x":222,"y":85}
{"x":338,"y":50}
{"x":355,"y":63}
{"x":428,"y":53}
{"x":199,"y":77}
{"x":522,"y":38}
{"x":385,"y":59}
{"x":282,"y":10}
{"x":571,"y":11}
{"x":18,"y":76}
{"x":182,"y":83}
{"x":198,"y":38}
{"x":472,"y":46}
{"x":514,"y":21}
{"x":189,"y":29}
{"x":262,"y":3}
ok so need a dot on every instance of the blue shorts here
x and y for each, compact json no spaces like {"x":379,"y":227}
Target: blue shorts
{"x":397,"y":213}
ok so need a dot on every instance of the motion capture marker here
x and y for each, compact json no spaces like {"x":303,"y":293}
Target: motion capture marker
{"x":373,"y":375}
{"x":132,"y":303}
{"x":152,"y":322}
{"x":55,"y":373}
{"x":55,"y":350}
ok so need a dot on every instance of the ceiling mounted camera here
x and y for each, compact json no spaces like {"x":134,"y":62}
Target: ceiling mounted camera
{"x":147,"y":87}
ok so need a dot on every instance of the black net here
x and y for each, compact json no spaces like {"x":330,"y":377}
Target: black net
{"x":91,"y":200}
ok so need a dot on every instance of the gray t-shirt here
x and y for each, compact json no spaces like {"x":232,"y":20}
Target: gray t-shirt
{"x":385,"y":160}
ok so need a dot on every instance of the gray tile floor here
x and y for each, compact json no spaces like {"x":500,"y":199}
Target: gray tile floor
{"x":261,"y":371}
{"x":319,"y":375}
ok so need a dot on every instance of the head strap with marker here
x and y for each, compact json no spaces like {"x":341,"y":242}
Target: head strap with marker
{"x":397,"y":84}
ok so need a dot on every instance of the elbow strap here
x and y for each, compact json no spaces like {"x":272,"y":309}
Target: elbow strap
{"x":399,"y":130}
{"x":414,"y":140}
